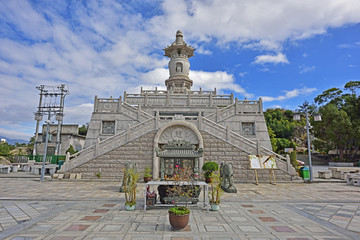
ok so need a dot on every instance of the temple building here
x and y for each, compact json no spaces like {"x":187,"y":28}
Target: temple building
{"x":179,"y":125}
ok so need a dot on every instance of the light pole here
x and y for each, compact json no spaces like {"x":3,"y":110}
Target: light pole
{"x":317,"y":117}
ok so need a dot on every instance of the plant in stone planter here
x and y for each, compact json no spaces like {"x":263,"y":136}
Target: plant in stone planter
{"x":147,"y":175}
{"x":209,"y":168}
{"x":130,"y":188}
{"x":216,"y":191}
{"x":181,"y":194}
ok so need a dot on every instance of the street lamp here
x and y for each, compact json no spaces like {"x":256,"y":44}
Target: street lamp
{"x":317,"y":117}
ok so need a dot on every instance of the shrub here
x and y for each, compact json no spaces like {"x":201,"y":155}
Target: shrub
{"x":209,"y":168}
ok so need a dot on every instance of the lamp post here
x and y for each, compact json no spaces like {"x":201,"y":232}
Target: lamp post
{"x":317,"y":117}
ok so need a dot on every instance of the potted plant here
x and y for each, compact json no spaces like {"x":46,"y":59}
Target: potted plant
{"x":179,"y":215}
{"x":147,"y":175}
{"x":130,"y":188}
{"x":216,"y":192}
{"x":209,"y":168}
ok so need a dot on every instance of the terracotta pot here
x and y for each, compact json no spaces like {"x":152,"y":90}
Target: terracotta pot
{"x":208,"y":179}
{"x":178,"y":222}
{"x":147,"y":179}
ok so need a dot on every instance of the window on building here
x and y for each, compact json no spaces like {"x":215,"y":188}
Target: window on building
{"x":108,"y":127}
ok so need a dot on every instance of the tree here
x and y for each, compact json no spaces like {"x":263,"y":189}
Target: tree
{"x":71,"y":150}
{"x":340,"y":126}
{"x":5,"y":148}
{"x":280,"y":127}
{"x":83,"y":129}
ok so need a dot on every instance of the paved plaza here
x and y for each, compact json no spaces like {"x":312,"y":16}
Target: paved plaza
{"x":64,"y":210}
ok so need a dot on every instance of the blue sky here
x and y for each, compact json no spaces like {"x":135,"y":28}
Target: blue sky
{"x":283,"y":51}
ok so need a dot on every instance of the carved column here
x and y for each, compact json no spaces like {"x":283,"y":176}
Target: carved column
{"x":196,"y":168}
{"x":162,"y":169}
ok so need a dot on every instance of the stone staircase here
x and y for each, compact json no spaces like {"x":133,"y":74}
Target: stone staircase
{"x":152,"y":123}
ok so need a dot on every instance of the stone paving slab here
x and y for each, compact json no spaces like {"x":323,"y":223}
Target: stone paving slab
{"x":69,"y":210}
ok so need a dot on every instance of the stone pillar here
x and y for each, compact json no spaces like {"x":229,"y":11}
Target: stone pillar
{"x":288,"y":164}
{"x":228,"y":133}
{"x":97,"y":146}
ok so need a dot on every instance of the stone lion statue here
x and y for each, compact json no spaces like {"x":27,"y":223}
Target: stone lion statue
{"x":226,"y":174}
{"x":127,"y":178}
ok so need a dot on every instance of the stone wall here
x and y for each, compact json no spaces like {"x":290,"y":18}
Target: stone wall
{"x":219,"y":151}
{"x":111,"y":164}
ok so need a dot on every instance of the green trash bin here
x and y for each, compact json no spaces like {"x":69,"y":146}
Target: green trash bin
{"x":60,"y":162}
{"x":305,"y":173}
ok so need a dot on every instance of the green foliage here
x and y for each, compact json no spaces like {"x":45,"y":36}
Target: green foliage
{"x":216,"y":191}
{"x":147,"y":172}
{"x":71,"y":150}
{"x":340,"y":125}
{"x":293,"y":159}
{"x":98,"y":175}
{"x":5,"y":148}
{"x":132,"y":178}
{"x":281,"y":127}
{"x":179,"y":210}
{"x":83,"y":129}
{"x":209,"y":168}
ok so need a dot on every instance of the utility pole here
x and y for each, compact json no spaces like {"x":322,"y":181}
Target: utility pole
{"x":51,"y":103}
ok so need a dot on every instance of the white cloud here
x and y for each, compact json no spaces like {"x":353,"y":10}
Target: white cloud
{"x":219,"y":80}
{"x":105,"y":48}
{"x":289,"y":94}
{"x":80,"y":114}
{"x":275,"y":59}
{"x":306,"y":69}
{"x":15,"y":134}
{"x":259,"y":24}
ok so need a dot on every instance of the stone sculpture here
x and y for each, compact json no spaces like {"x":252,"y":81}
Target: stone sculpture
{"x":226,"y":174}
{"x":127,"y":178}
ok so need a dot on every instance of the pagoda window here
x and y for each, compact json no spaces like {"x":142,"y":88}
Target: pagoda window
{"x":179,"y":67}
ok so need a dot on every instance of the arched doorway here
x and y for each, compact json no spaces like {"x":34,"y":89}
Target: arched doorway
{"x":180,"y":132}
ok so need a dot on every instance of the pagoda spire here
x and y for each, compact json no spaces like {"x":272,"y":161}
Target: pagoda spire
{"x":179,"y":53}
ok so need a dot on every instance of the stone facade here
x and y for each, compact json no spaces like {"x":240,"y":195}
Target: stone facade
{"x":111,"y":164}
{"x":131,"y":127}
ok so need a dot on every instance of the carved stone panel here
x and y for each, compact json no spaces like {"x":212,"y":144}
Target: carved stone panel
{"x":108,"y":127}
{"x":248,"y":128}
{"x":178,"y":133}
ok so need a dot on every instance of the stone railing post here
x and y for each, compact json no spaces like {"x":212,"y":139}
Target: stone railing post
{"x":95,"y":103}
{"x":200,"y":121}
{"x":260,"y":105}
{"x":288,"y":164}
{"x":97,"y":146}
{"x":157,"y":119}
{"x":236,"y":106}
{"x":128,"y":132}
{"x":258,"y":150}
{"x":228,"y":132}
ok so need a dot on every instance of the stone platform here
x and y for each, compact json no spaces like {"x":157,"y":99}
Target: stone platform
{"x":30,"y":209}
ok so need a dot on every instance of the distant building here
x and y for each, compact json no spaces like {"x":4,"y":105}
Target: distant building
{"x":162,"y":129}
{"x":68,"y":136}
{"x":3,"y":140}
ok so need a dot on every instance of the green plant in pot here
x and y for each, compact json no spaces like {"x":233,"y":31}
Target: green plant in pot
{"x":181,"y":195}
{"x":147,"y":175}
{"x":216,"y":191}
{"x":130,"y":188}
{"x":209,"y":168}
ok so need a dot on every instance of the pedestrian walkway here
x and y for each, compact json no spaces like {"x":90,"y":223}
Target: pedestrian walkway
{"x":64,"y":210}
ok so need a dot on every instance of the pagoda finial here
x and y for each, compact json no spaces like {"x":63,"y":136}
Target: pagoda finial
{"x":179,"y":38}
